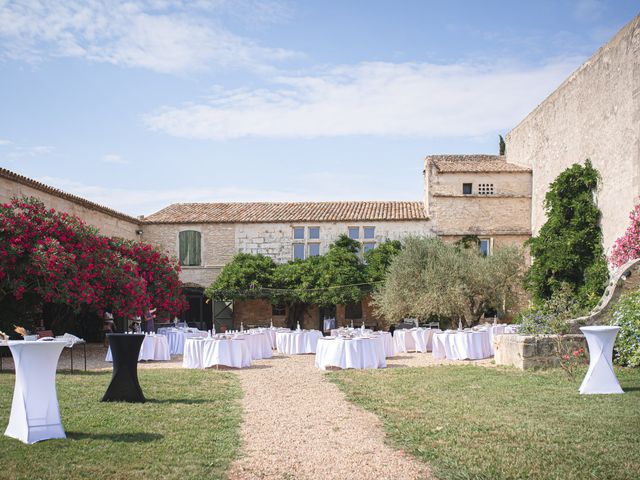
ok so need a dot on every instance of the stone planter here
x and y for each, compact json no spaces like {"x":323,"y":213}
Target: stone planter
{"x":533,"y":351}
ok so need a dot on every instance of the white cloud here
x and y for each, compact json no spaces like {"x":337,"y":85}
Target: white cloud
{"x":114,"y":158}
{"x":5,"y":142}
{"x":164,"y":36}
{"x":399,"y":99}
{"x":14,"y":152}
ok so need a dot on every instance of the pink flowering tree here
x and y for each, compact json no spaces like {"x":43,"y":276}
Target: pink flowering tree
{"x":52,"y":258}
{"x":627,"y":247}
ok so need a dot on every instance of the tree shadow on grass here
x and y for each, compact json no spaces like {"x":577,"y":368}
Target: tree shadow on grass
{"x":137,"y":437}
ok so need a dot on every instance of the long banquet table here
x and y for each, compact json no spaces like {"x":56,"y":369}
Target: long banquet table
{"x":358,"y":352}
{"x":209,"y":352}
{"x":298,"y":341}
{"x":154,"y":347}
{"x":462,"y":345}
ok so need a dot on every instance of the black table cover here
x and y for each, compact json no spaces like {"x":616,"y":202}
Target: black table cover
{"x":124,"y":386}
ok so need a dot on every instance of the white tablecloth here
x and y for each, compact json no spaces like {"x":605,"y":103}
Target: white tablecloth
{"x":413,"y":340}
{"x":466,"y":345}
{"x":271,"y":333}
{"x":177,"y":336}
{"x":35,"y":415}
{"x":297,"y":342}
{"x":259,"y":344}
{"x":154,"y":347}
{"x":351,"y":331}
{"x":360,"y":352}
{"x":600,"y":377}
{"x":209,"y":352}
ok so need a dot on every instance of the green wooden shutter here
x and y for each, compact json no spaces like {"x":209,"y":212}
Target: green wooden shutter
{"x":189,"y":248}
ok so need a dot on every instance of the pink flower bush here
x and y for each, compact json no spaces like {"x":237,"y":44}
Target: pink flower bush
{"x":56,"y":258}
{"x":627,"y":247}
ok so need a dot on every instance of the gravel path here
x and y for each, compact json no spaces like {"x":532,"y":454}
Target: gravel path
{"x":297,"y":425}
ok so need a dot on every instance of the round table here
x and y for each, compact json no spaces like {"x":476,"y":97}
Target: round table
{"x":600,"y":377}
{"x":154,"y":347}
{"x":259,"y":344}
{"x":461,"y":345}
{"x":209,"y":352}
{"x":124,"y":386}
{"x":298,"y":341}
{"x":413,"y":340}
{"x":177,"y":336}
{"x":360,"y":352}
{"x":335,"y":332}
{"x":35,"y":415}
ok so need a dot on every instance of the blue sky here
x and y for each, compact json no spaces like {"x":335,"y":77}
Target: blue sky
{"x":140,"y":104}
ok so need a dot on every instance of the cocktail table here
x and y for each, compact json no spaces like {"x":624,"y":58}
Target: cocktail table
{"x":124,"y":386}
{"x":600,"y":377}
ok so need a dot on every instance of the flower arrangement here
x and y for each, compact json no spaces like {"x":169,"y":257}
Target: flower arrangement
{"x":21,"y":331}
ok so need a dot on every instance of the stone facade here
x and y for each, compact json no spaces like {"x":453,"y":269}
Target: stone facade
{"x":107,"y":221}
{"x":276,"y":239}
{"x":594,"y":114}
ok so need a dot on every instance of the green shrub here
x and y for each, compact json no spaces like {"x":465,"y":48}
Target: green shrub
{"x":626,"y":315}
{"x":551,"y":317}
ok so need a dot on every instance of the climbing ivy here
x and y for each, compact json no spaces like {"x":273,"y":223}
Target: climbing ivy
{"x":568,"y":249}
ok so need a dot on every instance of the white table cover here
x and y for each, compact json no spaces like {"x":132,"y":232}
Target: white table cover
{"x":600,"y":377}
{"x":177,"y":336}
{"x":259,"y":344}
{"x":154,"y":347}
{"x":465,"y":345}
{"x":360,"y":352}
{"x":35,"y":415}
{"x":297,"y":342}
{"x":413,"y":340}
{"x":334,"y":332}
{"x":209,"y":352}
{"x":387,"y":344}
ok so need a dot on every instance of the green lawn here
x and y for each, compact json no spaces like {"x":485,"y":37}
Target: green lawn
{"x":492,"y":423}
{"x":189,"y":428}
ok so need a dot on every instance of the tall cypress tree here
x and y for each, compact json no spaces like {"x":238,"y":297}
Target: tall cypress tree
{"x":568,"y":249}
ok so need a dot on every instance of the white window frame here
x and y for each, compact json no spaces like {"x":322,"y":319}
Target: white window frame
{"x":489,"y":241}
{"x":293,"y":251}
{"x":309,"y":244}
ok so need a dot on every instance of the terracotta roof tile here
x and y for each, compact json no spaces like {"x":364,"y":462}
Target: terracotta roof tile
{"x":259,"y":212}
{"x":16,"y":177}
{"x":474,"y":163}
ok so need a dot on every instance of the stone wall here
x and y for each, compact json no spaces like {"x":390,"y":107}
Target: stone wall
{"x":108,"y":222}
{"x":276,"y":239}
{"x":505,"y":183}
{"x":217,"y":247}
{"x":533,"y":351}
{"x":594,"y":114}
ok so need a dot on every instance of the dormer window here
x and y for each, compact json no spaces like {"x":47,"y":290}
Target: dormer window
{"x":467,"y":188}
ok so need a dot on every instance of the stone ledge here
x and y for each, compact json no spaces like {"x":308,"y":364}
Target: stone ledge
{"x":533,"y":351}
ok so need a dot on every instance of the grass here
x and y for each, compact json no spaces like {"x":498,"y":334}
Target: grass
{"x":472,"y":422}
{"x":189,"y":428}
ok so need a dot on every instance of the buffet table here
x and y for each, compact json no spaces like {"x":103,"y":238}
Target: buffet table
{"x":461,"y":345}
{"x":297,"y":342}
{"x":124,"y":386}
{"x":154,"y":347}
{"x":35,"y":415}
{"x":413,"y":340}
{"x":359,"y":352}
{"x":210,"y":352}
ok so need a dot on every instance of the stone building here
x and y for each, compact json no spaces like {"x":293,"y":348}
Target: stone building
{"x":594,"y":114}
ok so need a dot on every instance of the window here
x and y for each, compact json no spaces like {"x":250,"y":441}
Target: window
{"x":278,"y":310}
{"x":485,"y":246}
{"x":369,"y":232}
{"x":353,"y":310}
{"x":467,"y":188}
{"x":298,"y":251}
{"x":313,"y":249}
{"x":366,"y":246}
{"x":354,"y":233}
{"x":485,"y":189}
{"x":189,"y":248}
{"x":298,"y":233}
{"x":314,"y":233}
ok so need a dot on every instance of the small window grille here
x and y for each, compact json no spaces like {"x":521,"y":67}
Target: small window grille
{"x":486,"y":189}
